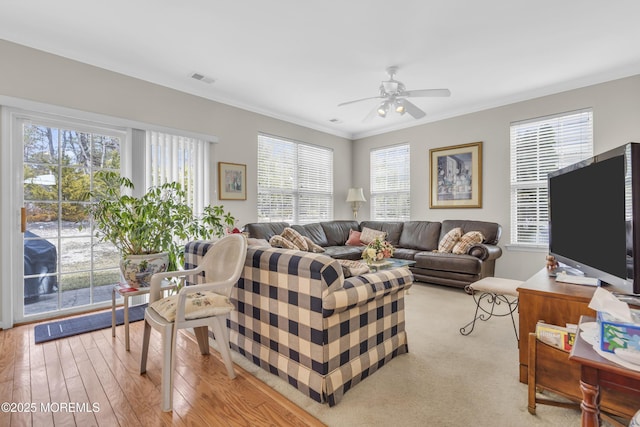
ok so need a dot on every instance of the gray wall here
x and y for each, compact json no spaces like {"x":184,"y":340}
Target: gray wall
{"x":616,"y":112}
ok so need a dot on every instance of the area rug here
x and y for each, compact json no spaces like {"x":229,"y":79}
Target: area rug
{"x":80,"y":325}
{"x":446,"y":379}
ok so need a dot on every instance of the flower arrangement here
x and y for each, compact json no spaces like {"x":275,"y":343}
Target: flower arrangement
{"x":377,"y":250}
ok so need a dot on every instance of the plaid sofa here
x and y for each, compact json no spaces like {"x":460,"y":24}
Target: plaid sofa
{"x":299,"y":318}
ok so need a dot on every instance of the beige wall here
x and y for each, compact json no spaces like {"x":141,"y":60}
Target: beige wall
{"x":616,"y":111}
{"x":33,"y":75}
{"x":37,"y":76}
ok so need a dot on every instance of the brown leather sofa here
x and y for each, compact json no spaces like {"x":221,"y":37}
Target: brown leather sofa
{"x":414,"y":240}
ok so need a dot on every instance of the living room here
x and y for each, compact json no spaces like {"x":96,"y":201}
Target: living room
{"x":35,"y":80}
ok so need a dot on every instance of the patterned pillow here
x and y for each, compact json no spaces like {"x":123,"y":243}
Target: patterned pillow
{"x":313,"y":247}
{"x":278,"y":241}
{"x":296,"y":238}
{"x":197,"y":305}
{"x":261,"y":243}
{"x":354,"y":238}
{"x":368,"y":235}
{"x":449,"y":240}
{"x":353,"y":268}
{"x":466,"y":241}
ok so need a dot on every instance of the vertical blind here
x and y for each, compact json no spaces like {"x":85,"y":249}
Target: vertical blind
{"x":295,"y":181}
{"x":390,"y":183}
{"x":175,"y":158}
{"x":540,"y":146}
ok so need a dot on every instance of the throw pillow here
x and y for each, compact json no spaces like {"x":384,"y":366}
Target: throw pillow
{"x":368,"y":235}
{"x":353,"y":268}
{"x":354,"y":238}
{"x":296,"y":238}
{"x":469,"y":239}
{"x":449,"y":240}
{"x":197,"y":305}
{"x":278,"y":241}
{"x":260,"y":243}
{"x":313,"y":247}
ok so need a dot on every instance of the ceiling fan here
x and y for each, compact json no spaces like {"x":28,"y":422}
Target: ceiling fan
{"x":394,"y":96}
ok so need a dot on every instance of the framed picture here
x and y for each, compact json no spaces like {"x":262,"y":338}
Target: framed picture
{"x":232,"y":181}
{"x":455,"y":180}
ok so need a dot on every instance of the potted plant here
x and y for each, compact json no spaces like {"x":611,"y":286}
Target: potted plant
{"x":150,"y":231}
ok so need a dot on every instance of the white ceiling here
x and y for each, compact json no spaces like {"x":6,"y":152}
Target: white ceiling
{"x":298,"y":60}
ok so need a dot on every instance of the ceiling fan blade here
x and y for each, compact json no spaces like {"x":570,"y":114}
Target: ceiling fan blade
{"x":412,"y":109}
{"x":427,"y":92}
{"x":358,"y":100}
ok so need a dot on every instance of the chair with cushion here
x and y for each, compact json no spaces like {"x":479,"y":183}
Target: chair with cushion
{"x":197,"y":306}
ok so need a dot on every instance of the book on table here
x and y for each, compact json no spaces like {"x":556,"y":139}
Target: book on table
{"x":124,"y":287}
{"x":561,"y":337}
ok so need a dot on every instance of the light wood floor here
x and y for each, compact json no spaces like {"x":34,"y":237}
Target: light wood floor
{"x":94,"y":372}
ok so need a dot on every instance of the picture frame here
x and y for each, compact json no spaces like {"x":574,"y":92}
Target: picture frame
{"x":455,"y":178}
{"x":232,"y":181}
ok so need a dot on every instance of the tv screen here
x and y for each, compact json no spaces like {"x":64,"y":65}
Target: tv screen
{"x":591,"y":216}
{"x":587,"y":209}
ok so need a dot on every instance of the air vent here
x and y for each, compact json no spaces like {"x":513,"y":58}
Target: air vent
{"x":202,"y":78}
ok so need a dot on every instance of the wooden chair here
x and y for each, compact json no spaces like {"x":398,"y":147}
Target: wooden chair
{"x":197,"y":306}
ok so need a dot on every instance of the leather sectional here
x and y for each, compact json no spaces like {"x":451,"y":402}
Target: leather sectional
{"x":413,"y":240}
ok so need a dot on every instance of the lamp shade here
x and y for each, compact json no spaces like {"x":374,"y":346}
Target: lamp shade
{"x":356,"y":195}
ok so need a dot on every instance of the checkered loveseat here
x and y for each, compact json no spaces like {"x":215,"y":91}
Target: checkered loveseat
{"x":299,"y":318}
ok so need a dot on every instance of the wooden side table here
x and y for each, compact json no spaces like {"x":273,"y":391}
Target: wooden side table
{"x":599,"y":375}
{"x":126,"y":292}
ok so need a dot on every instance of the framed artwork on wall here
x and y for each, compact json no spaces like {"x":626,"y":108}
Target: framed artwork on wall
{"x":455,"y":179}
{"x":232,"y":181}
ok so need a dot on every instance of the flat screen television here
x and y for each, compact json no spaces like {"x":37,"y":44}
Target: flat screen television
{"x":594,"y":217}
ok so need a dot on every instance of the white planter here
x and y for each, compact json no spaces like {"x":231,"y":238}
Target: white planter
{"x":138,"y":269}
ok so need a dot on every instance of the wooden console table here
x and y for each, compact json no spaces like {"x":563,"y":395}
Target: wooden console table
{"x":542,"y":298}
{"x":599,"y":374}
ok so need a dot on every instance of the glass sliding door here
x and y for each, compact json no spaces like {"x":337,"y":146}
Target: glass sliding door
{"x":65,"y":267}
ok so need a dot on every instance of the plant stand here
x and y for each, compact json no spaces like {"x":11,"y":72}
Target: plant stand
{"x":125,"y":291}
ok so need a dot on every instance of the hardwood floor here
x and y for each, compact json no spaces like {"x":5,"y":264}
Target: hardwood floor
{"x":91,"y":380}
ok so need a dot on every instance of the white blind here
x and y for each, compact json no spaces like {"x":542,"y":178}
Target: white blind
{"x":176,"y":158}
{"x":295,"y":181}
{"x":390,"y":183}
{"x":540,"y":146}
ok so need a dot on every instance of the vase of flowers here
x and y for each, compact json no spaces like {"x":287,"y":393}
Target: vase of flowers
{"x":377,"y":251}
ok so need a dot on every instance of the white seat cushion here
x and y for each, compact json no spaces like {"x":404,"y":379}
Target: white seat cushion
{"x":197,"y":305}
{"x":497,"y":285}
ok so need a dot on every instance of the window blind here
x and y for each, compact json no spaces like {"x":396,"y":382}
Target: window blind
{"x":390,"y":177}
{"x":540,"y":146}
{"x":175,"y":158}
{"x":295,"y":181}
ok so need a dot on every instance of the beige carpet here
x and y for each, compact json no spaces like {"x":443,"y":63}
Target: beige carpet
{"x":446,"y":379}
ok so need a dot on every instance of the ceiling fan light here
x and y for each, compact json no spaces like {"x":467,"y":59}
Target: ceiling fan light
{"x":400,"y":107}
{"x":383,"y":109}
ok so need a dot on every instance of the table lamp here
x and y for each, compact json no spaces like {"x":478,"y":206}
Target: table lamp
{"x":355,"y":197}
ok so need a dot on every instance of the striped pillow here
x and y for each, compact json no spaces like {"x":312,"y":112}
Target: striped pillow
{"x":296,"y":238}
{"x":449,"y":240}
{"x":278,"y":241}
{"x":469,"y":239}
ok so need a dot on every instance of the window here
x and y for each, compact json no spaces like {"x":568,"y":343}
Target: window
{"x":175,"y":158}
{"x":540,"y":146}
{"x":390,"y":183}
{"x":64,"y":266}
{"x":295,"y":181}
